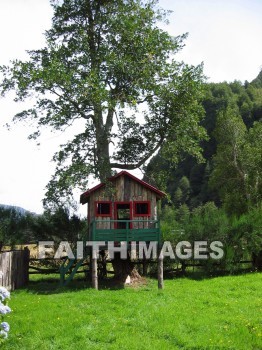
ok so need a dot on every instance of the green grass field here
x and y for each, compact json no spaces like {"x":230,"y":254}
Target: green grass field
{"x":215,"y":313}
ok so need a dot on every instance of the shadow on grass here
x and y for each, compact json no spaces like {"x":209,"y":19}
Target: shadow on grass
{"x":201,"y":274}
{"x":51,"y":285}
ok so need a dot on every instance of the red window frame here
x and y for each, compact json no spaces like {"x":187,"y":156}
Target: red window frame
{"x":142,"y":202}
{"x":103,"y":202}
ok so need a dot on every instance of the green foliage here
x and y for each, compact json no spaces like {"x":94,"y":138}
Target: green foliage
{"x":229,"y":171}
{"x":183,"y":214}
{"x":245,"y":233}
{"x":170,"y":227}
{"x":14,"y":226}
{"x":257,"y":82}
{"x":221,"y":199}
{"x":108,"y":67}
{"x":59,"y":225}
{"x":207,"y":222}
{"x":17,"y":228}
{"x":178,"y":195}
{"x":233,"y":114}
{"x":182,"y":192}
{"x":240,"y":235}
{"x":237,"y":163}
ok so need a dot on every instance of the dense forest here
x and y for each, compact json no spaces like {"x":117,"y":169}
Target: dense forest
{"x":22,"y":227}
{"x":216,"y":198}
{"x":229,"y":174}
{"x":219,"y":198}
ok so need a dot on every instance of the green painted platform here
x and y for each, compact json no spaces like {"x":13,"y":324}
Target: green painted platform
{"x":131,"y":230}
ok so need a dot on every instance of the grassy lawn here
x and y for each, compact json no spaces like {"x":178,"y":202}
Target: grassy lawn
{"x":215,"y":313}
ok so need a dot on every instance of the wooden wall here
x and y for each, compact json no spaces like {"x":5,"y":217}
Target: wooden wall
{"x":14,"y":266}
{"x":124,"y":189}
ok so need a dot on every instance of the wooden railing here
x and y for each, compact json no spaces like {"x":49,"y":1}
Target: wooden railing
{"x":125,"y":230}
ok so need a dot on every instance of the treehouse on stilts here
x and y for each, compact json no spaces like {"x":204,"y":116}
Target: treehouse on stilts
{"x":124,"y":209}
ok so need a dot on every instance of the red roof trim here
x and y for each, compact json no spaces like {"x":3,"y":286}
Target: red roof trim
{"x":84,"y":196}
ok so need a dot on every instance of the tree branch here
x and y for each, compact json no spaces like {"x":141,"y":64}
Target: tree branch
{"x":131,"y":166}
{"x":73,"y":103}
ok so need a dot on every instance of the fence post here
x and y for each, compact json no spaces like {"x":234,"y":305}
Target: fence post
{"x":26,"y":264}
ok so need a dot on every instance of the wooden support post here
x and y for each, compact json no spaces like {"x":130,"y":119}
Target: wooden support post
{"x":94,"y":272}
{"x":160,"y":270}
{"x":144,"y":265}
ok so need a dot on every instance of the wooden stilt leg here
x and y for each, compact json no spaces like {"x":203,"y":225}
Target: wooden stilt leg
{"x":160,"y":272}
{"x":144,"y":266}
{"x":94,"y":272}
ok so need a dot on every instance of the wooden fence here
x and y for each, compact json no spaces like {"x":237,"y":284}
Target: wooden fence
{"x":14,"y":268}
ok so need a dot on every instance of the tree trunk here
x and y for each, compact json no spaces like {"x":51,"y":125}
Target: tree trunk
{"x":124,"y":268}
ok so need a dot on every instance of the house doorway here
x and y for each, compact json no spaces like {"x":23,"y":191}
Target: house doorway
{"x":123,"y":211}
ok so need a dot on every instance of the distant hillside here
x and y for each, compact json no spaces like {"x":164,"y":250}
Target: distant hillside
{"x":257,"y":82}
{"x":19,"y":210}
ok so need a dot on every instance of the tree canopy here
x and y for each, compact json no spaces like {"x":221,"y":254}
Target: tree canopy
{"x":108,"y":66}
{"x":237,"y":163}
{"x":231,"y":174}
{"x":22,"y":227}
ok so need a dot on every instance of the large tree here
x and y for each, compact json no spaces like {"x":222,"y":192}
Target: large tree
{"x":108,"y":65}
{"x":237,"y":163}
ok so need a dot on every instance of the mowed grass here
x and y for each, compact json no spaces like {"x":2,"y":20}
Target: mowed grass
{"x":215,"y":313}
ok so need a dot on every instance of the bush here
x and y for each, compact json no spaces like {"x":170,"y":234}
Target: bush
{"x":241,"y":236}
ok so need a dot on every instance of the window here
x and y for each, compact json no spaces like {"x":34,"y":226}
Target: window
{"x":103,"y":208}
{"x":142,"y":208}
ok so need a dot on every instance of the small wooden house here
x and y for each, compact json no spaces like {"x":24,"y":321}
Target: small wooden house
{"x":123,"y":209}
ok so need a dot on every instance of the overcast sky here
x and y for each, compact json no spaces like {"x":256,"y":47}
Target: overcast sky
{"x":224,"y":34}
